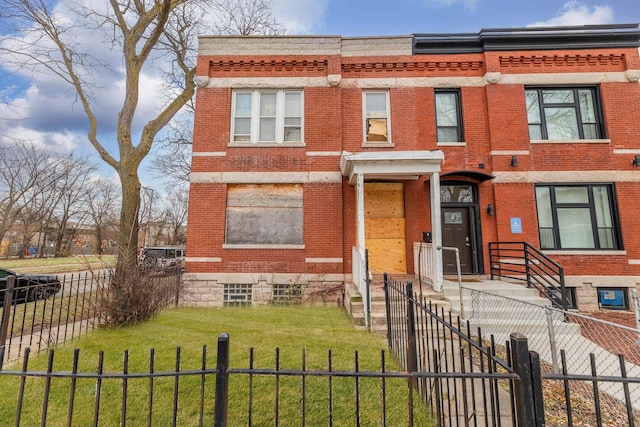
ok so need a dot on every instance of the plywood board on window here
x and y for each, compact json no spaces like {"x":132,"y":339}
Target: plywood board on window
{"x":265,"y":195}
{"x":387,"y":256}
{"x":383,"y":200}
{"x":384,"y":228}
{"x":262,"y":214}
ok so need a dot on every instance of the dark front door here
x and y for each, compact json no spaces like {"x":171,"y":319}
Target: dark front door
{"x":456,"y":233}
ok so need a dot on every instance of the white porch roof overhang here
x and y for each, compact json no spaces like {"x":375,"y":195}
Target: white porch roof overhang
{"x":402,"y":165}
{"x":395,"y":165}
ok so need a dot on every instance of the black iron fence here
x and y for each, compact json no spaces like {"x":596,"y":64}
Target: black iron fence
{"x":484,"y":382}
{"x":39,"y":321}
{"x":187,"y":390}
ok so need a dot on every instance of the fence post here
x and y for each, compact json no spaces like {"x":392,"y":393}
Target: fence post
{"x":412,"y":363}
{"x":6,"y":309}
{"x":636,"y":310}
{"x":387,"y":303}
{"x":222,"y":382}
{"x":553,"y":347}
{"x":178,"y":280}
{"x":528,"y":388}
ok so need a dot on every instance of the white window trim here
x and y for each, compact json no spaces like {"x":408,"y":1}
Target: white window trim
{"x":389,"y":141}
{"x":255,"y":119}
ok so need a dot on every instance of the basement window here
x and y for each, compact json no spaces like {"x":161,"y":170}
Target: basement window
{"x":287,"y":294}
{"x":613,"y":298}
{"x":237,"y":295}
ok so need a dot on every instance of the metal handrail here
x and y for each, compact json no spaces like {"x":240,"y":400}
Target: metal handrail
{"x":522,"y":262}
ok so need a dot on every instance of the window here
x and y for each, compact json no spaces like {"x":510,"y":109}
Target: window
{"x":264,"y":214}
{"x":571,"y":297}
{"x":448,"y":116}
{"x":376,"y":117}
{"x":613,"y":298}
{"x":237,"y":295}
{"x":577,"y":217}
{"x":287,"y":294}
{"x":267,"y":116}
{"x":564,"y":113}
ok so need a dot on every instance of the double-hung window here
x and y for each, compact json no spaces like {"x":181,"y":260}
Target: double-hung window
{"x":448,"y":116}
{"x":376,"y":117}
{"x":577,"y":216}
{"x":267,"y":116}
{"x":564,"y":113}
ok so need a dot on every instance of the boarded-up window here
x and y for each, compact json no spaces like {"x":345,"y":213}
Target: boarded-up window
{"x":265,"y":214}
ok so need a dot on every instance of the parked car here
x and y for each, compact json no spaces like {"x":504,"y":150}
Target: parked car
{"x":28,"y":287}
{"x":162,"y":257}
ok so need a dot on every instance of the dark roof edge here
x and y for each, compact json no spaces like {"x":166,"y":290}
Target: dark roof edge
{"x":530,"y":38}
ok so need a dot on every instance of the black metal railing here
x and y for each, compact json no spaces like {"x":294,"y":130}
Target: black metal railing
{"x":522,"y":262}
{"x":29,"y":319}
{"x":476,"y":373}
{"x":473,"y":381}
{"x":193,"y":389}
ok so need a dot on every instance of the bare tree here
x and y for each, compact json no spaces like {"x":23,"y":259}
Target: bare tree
{"x":24,"y":169}
{"x":232,"y":17}
{"x":245,"y":17}
{"x":175,"y":214}
{"x":173,"y":163}
{"x":74,"y":174}
{"x":145,"y":32}
{"x":102,"y":210}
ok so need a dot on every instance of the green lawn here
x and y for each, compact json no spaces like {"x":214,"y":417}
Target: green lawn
{"x":291,"y":329}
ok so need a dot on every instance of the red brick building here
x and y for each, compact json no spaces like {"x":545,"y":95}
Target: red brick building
{"x":308,"y":150}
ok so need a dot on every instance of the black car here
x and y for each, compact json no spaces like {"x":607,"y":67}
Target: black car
{"x":28,"y":287}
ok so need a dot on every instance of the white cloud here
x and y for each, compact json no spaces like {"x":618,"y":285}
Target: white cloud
{"x":301,"y":16}
{"x":45,"y":109}
{"x":575,"y":13}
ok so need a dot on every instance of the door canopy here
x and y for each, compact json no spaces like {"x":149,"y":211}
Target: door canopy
{"x":396,"y":165}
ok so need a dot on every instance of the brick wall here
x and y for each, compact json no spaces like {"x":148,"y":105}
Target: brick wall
{"x":495,"y":128}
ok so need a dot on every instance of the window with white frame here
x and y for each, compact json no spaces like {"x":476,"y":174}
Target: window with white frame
{"x":448,"y":116}
{"x":376,"y":116}
{"x":564,"y":113}
{"x":576,"y":216}
{"x":267,"y":116}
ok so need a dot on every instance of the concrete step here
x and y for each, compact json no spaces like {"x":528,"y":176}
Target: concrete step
{"x":510,"y":290}
{"x":528,"y":327}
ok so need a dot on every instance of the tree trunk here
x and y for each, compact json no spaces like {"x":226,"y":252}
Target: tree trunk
{"x":128,"y":234}
{"x":98,"y":246}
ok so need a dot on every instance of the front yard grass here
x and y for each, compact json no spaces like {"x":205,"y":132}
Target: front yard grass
{"x":291,"y":329}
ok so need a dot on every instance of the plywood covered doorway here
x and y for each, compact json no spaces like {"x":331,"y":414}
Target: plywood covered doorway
{"x":384,"y":224}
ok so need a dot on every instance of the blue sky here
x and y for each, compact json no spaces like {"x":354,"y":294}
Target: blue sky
{"x":44,"y":109}
{"x":400,"y":17}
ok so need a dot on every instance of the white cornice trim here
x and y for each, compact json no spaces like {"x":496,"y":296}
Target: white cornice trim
{"x":565,"y":176}
{"x":425,"y":81}
{"x":265,"y":177}
{"x":323,"y":260}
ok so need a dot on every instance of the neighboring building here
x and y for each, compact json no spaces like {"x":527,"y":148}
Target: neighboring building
{"x":306,"y":147}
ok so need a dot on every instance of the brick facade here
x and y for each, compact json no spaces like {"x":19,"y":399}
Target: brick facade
{"x":491,"y":72}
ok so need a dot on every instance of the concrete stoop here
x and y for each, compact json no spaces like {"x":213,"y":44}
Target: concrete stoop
{"x":354,"y":304}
